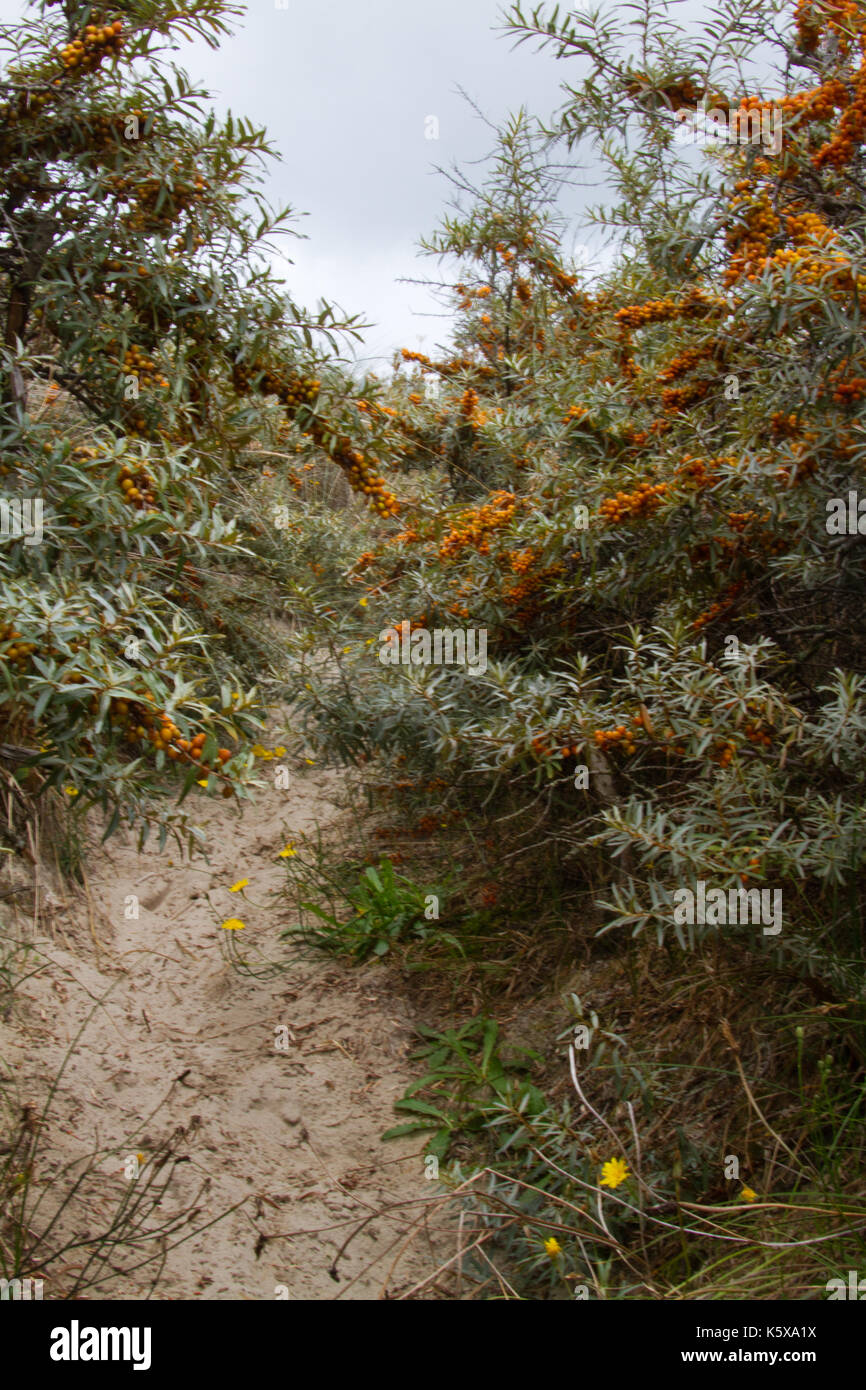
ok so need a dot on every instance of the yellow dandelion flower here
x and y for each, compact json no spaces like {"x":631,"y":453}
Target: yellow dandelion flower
{"x":233,"y":924}
{"x":747,"y":1195}
{"x":552,"y":1247}
{"x":241,"y":883}
{"x":613,"y":1173}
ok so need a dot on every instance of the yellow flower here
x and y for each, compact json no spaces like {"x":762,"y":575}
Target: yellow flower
{"x":346,"y":650}
{"x":259,"y":751}
{"x":747,"y":1195}
{"x":552,"y":1247}
{"x":71,"y":791}
{"x":203,"y":781}
{"x":233,"y":924}
{"x":279,"y":751}
{"x":311,"y":761}
{"x":613,"y":1173}
{"x":362,"y":602}
{"x":265,"y":755}
{"x":241,"y":883}
{"x":289,"y":852}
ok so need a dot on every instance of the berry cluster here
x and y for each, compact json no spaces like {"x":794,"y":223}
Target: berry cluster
{"x":473,"y":526}
{"x":137,"y":363}
{"x":654,"y":311}
{"x":292,"y":391}
{"x":561,"y":282}
{"x":467,"y":293}
{"x":738,"y":521}
{"x":523,"y":290}
{"x":646,"y":498}
{"x":521,"y":561}
{"x":813,"y":267}
{"x":759,"y":732}
{"x":748,"y":240}
{"x":135,"y":424}
{"x":818,"y":105}
{"x":621,"y":738}
{"x":724,"y":605}
{"x":18,"y":652}
{"x":678,"y":397}
{"x":540,"y":746}
{"x":525,"y":595}
{"x":93,"y":44}
{"x":28,"y":104}
{"x":850,"y":391}
{"x":569,"y":749}
{"x":851,"y":132}
{"x":808,"y":26}
{"x":107,"y":130}
{"x":635,"y":439}
{"x":684,"y":362}
{"x":694,"y":304}
{"x":446,"y":369}
{"x":157,"y":203}
{"x":137,"y":486}
{"x":364,"y":478}
{"x":784,"y":426}
{"x":701,"y":472}
{"x":139,"y":723}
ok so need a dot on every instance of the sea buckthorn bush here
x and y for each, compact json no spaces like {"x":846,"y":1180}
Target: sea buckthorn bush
{"x":150,"y":362}
{"x":634,"y":467}
{"x":625,"y":482}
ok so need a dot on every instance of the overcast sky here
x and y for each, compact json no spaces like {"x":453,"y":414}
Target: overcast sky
{"x":344,"y":88}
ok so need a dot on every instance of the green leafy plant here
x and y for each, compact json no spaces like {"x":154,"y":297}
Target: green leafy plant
{"x":386,"y":908}
{"x":464,"y":1080}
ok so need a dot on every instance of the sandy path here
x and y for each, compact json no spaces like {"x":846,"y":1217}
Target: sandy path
{"x":294,"y":1134}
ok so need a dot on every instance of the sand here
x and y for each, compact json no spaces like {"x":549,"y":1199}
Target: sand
{"x":284,"y":1085}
